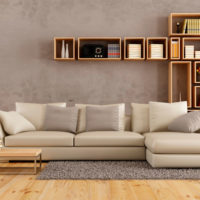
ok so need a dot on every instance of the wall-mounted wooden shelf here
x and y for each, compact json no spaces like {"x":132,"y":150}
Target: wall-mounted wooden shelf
{"x":105,"y":41}
{"x":196,"y":75}
{"x":174,"y":48}
{"x":191,"y":41}
{"x":135,"y":41}
{"x":179,"y":82}
{"x":157,"y":40}
{"x":58,"y":47}
{"x":196,"y":96}
{"x":180,"y":17}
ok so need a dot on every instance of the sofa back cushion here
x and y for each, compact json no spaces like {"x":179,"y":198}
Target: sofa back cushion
{"x":81,"y":126}
{"x":35,"y":113}
{"x":140,"y":118}
{"x":14,"y":123}
{"x":102,"y":118}
{"x":60,"y":119}
{"x":162,"y":114}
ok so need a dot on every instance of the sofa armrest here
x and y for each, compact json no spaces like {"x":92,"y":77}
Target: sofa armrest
{"x":2,"y":135}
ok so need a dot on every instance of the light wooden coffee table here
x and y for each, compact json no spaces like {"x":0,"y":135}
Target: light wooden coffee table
{"x":21,"y":154}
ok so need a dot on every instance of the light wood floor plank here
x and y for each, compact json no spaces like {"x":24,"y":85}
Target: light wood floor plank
{"x":26,"y":187}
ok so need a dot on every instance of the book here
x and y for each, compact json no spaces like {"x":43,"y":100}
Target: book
{"x":191,"y":26}
{"x":189,"y":51}
{"x":156,"y":50}
{"x":184,"y":25}
{"x":134,"y":50}
{"x":175,"y":49}
{"x":113,"y":50}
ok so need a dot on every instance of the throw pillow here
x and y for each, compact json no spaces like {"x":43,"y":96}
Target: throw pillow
{"x":102,"y":118}
{"x":81,"y":126}
{"x":34,"y":112}
{"x":188,"y":123}
{"x":162,"y":114}
{"x":14,"y":123}
{"x":60,"y":119}
{"x":140,"y":118}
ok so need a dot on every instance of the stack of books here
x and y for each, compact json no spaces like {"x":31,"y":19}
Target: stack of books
{"x":191,"y":26}
{"x":175,"y":49}
{"x":113,"y":51}
{"x":189,"y":51}
{"x":197,"y":54}
{"x":134,"y":50}
{"x":156,"y":50}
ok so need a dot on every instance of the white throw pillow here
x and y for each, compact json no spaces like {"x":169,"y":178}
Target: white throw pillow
{"x":81,"y":126}
{"x":162,"y":114}
{"x":34,"y":112}
{"x":140,"y":118}
{"x":14,"y":123}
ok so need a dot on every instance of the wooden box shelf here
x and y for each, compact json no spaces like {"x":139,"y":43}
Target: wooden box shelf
{"x":58,"y":46}
{"x":134,"y":40}
{"x":179,"y":82}
{"x":105,"y":41}
{"x":194,"y":41}
{"x":196,"y":75}
{"x":196,"y":97}
{"x":174,"y":48}
{"x":180,"y":17}
{"x":157,"y":40}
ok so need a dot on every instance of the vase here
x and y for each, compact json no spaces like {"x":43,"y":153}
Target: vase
{"x":66,"y":50}
{"x":63,"y":49}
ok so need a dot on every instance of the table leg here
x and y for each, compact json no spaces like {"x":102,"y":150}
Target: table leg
{"x":35,"y":166}
{"x":40,"y":162}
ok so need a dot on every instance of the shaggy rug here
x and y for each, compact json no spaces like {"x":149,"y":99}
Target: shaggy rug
{"x":107,"y":170}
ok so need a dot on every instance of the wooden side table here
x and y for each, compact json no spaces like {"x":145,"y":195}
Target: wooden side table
{"x":12,"y":154}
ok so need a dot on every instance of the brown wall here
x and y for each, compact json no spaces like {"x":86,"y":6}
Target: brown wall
{"x":28,"y":72}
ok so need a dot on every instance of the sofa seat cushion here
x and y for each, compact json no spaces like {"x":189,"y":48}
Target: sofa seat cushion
{"x":40,"y":139}
{"x":173,"y":143}
{"x":109,"y":139}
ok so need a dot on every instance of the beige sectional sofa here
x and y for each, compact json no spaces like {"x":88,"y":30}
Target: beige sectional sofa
{"x":99,"y":145}
{"x":160,"y":149}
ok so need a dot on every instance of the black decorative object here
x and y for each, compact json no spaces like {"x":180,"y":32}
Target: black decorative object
{"x":178,"y":30}
{"x":93,"y":51}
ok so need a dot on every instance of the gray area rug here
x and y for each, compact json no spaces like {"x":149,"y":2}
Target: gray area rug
{"x":107,"y":170}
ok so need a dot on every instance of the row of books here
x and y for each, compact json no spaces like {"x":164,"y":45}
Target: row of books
{"x":190,"y":52}
{"x":113,"y":50}
{"x":175,"y":49}
{"x":134,"y":51}
{"x":191,"y":26}
{"x":156,"y":50}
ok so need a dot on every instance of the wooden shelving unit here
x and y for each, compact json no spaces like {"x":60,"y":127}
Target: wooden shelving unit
{"x":173,"y":48}
{"x":58,"y":47}
{"x":190,"y":41}
{"x":157,"y":40}
{"x":196,"y":96}
{"x":179,"y":82}
{"x":179,"y":17}
{"x":196,"y":75}
{"x":134,"y":40}
{"x":100,"y":41}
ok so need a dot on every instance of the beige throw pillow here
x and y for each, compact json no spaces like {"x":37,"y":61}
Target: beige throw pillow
{"x":102,"y":118}
{"x":81,"y":126}
{"x":140,"y":117}
{"x":60,"y":119}
{"x":188,"y":123}
{"x":34,"y":112}
{"x":14,"y":123}
{"x":162,"y":114}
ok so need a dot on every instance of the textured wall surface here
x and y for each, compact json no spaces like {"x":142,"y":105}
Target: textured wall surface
{"x":28,"y":72}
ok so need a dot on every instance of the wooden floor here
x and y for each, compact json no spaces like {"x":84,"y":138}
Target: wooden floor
{"x":25,"y":187}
